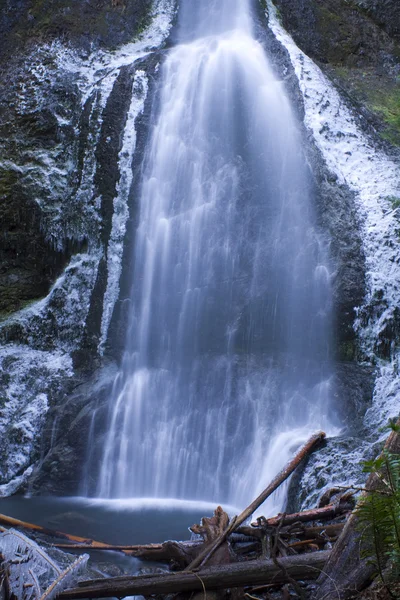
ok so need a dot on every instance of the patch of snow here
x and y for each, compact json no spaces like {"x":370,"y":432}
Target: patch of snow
{"x":57,"y":321}
{"x":29,"y":378}
{"x":8,"y":489}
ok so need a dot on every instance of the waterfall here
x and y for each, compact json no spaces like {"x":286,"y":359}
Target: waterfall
{"x":227,"y":366}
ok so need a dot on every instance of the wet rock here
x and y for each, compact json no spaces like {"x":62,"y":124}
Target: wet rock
{"x":70,"y":446}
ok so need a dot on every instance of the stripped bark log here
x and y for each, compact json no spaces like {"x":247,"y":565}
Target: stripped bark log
{"x":303,"y":453}
{"x":346,"y":572}
{"x":257,"y":572}
{"x":11,"y":522}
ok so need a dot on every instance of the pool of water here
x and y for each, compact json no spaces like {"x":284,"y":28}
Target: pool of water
{"x":128,"y":521}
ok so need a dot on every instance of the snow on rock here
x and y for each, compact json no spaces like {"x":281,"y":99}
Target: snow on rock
{"x":57,"y":321}
{"x":28,"y":381}
{"x":121,"y":210}
{"x":375,"y":179}
{"x":100,"y":69}
{"x":36,"y":343}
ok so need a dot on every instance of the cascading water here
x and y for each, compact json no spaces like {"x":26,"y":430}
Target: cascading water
{"x":227,"y":363}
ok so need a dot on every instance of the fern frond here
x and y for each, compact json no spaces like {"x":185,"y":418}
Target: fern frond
{"x":392,"y":468}
{"x":379,"y":513}
{"x":373,"y":521}
{"x":393,"y":425}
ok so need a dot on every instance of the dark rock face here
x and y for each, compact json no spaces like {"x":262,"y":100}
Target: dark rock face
{"x":338,"y":217}
{"x":28,"y":264}
{"x":39,"y":118}
{"x":29,"y":260}
{"x":384,"y":12}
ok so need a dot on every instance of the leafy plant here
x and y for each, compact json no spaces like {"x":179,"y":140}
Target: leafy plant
{"x":394,"y":200}
{"x":379,"y":513}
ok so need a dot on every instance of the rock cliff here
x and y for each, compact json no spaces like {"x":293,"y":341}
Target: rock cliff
{"x":77,"y":81}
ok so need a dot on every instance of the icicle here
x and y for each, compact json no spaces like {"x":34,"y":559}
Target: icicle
{"x":65,"y":578}
{"x":28,"y":563}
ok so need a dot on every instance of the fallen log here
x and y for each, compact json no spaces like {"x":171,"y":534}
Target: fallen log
{"x":154,"y":552}
{"x":163,"y":552}
{"x":331,"y":530}
{"x":258,"y":572}
{"x":303,"y":453}
{"x":316,"y":514}
{"x":158,"y":552}
{"x":303,"y":543}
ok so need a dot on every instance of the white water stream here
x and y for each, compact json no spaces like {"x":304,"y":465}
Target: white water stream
{"x":227,"y":363}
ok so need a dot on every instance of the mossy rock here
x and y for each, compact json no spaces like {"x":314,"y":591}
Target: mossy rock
{"x":347,"y":351}
{"x":379,"y":94}
{"x":349,"y":41}
{"x":84,"y":23}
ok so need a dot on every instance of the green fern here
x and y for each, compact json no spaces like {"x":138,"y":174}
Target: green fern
{"x":379,"y":514}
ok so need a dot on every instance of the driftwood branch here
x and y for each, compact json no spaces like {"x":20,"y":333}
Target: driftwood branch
{"x":303,"y":453}
{"x":316,"y":514}
{"x":258,"y":572}
{"x":11,"y":522}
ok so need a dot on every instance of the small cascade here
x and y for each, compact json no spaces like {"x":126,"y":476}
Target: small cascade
{"x":227,"y":367}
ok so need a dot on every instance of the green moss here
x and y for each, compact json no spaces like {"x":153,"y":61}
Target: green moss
{"x":387,"y":104}
{"x":8,"y":178}
{"x":381,"y":96}
{"x":347,"y":351}
{"x":144,"y":24}
{"x":394,"y":201}
{"x":327,"y":16}
{"x":13,"y":299}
